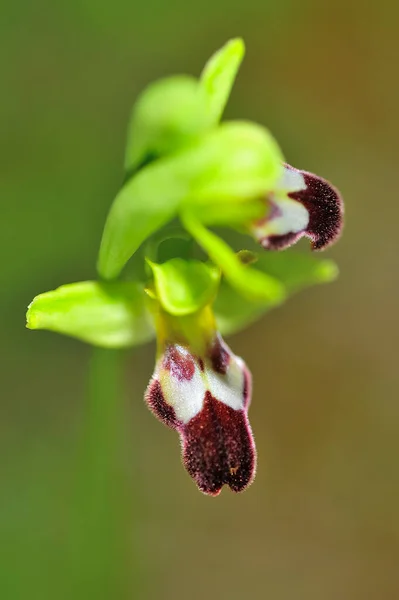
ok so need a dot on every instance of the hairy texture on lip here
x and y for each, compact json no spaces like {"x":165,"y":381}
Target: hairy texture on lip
{"x":218,"y":448}
{"x":313,"y":209}
{"x":206,"y":400}
{"x":156,"y":403}
{"x":280,"y":242}
{"x":325,"y":207}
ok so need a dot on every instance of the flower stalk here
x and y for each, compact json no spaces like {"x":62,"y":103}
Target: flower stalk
{"x":101,"y":499}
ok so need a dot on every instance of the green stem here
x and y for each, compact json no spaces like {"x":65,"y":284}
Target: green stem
{"x":99,"y":535}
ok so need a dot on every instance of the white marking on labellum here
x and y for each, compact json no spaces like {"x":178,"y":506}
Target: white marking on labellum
{"x":182,"y":383}
{"x":229,"y":387}
{"x":290,"y":181}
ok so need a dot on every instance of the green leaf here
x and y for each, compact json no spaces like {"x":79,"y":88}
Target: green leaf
{"x":169,"y":114}
{"x":183,"y":286}
{"x":234,"y":162}
{"x":295,"y":271}
{"x":219,"y":74}
{"x":112,"y":315}
{"x":251,"y":283}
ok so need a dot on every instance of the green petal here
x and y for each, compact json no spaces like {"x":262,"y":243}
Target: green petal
{"x":234,"y":162}
{"x":169,"y":114}
{"x":112,"y":315}
{"x":219,"y":74}
{"x":251,"y":283}
{"x":183,"y":286}
{"x":294,"y":270}
{"x":147,"y":202}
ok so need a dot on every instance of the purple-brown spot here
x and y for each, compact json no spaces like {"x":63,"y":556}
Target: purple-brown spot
{"x":218,"y":448}
{"x":180,"y":364}
{"x":219,"y":356}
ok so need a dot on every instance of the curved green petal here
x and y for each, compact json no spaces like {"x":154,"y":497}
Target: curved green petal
{"x":147,"y":202}
{"x":183,"y":286}
{"x":295,"y":271}
{"x":219,"y":74}
{"x":234,"y":162}
{"x":112,"y":315}
{"x":249,"y":282}
{"x":169,"y":114}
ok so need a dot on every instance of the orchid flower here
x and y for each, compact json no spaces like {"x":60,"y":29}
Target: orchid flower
{"x":302,"y":204}
{"x":185,"y":173}
{"x":201,"y":389}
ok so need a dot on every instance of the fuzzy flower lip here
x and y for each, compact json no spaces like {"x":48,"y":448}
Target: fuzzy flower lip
{"x":206,"y":400}
{"x":302,"y":205}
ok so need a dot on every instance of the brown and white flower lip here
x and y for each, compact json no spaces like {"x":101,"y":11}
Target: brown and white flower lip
{"x":303,"y":205}
{"x":218,"y":448}
{"x":206,"y":400}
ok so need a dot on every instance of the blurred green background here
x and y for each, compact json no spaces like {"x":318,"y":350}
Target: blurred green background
{"x":322,"y":519}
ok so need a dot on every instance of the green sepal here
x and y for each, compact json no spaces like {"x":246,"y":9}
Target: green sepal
{"x":234,"y":162}
{"x":184,"y":287}
{"x":236,"y":215}
{"x":237,"y":161}
{"x":111,"y":315}
{"x":293,"y":270}
{"x":219,"y":75}
{"x":169,"y":114}
{"x":251,"y":283}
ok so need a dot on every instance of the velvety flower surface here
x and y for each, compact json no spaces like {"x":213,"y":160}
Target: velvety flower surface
{"x":302,"y":204}
{"x":206,"y":398}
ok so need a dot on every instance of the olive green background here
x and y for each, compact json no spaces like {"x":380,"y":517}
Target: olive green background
{"x":321,"y":520}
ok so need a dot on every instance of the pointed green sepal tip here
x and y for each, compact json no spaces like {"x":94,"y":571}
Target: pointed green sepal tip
{"x":219,"y":75}
{"x":110,"y":315}
{"x":184,"y":287}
